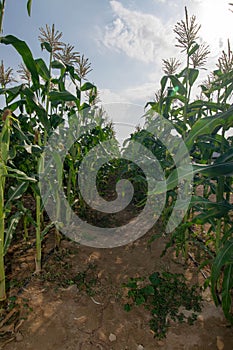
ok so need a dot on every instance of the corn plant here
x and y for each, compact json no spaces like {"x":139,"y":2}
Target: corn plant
{"x":203,"y":123}
{"x":47,"y":102}
{"x":8,"y":193}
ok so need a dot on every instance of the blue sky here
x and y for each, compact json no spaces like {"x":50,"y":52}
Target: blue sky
{"x":124,"y":40}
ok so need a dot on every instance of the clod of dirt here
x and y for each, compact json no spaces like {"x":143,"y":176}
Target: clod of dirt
{"x":220,"y":343}
{"x":112,"y":337}
{"x":200,"y":318}
{"x":18,"y":337}
{"x":160,"y":343}
{"x":140,"y":347}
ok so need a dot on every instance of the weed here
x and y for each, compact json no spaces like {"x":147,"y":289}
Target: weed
{"x":166,"y":296}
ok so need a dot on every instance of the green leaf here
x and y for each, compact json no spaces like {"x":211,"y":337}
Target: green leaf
{"x":56,"y":120}
{"x":148,"y":290}
{"x":206,"y":203}
{"x":26,"y":55}
{"x":19,"y":174}
{"x":155,"y":279}
{"x":177,"y":84}
{"x":193,"y":49}
{"x":228,"y":91}
{"x":214,"y":170}
{"x":127,"y":307}
{"x":58,"y":65}
{"x":87,"y":86}
{"x":227,"y":286}
{"x":20,"y":134}
{"x":73,"y":75}
{"x":47,"y":46}
{"x":1,"y":12}
{"x":163,"y":83}
{"x":59,"y":168}
{"x":42,"y":69}
{"x":29,"y":7}
{"x":33,"y":103}
{"x":224,"y":257}
{"x":35,"y":188}
{"x":193,"y":74}
{"x":61,"y":96}
{"x":209,"y":125}
{"x":13,"y":222}
{"x":16,"y":193}
{"x":216,"y":212}
{"x":225,"y":157}
{"x":139,"y":300}
{"x":13,"y":92}
{"x":83,"y":106}
{"x":46,"y":230}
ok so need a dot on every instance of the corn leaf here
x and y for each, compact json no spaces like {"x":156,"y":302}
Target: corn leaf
{"x":209,"y":125}
{"x":215,"y":170}
{"x":61,"y":96}
{"x":47,"y":229}
{"x":13,"y":222}
{"x":87,"y":86}
{"x":20,"y":175}
{"x":227,"y":286}
{"x":57,"y":65}
{"x":47,"y":46}
{"x":16,"y":193}
{"x":42,"y":69}
{"x":193,"y":75}
{"x":26,"y":55}
{"x":193,"y":49}
{"x":177,"y":84}
{"x":224,"y":257}
{"x":163,"y":83}
{"x":29,"y":7}
{"x":224,"y":157}
{"x":59,"y":168}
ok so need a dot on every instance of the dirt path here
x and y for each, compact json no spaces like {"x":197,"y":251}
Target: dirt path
{"x":63,"y":317}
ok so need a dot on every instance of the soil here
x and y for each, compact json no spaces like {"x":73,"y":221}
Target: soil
{"x":77,"y":302}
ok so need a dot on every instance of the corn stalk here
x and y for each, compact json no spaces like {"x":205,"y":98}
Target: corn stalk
{"x":4,"y":147}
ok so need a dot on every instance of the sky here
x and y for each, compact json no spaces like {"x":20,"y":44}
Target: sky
{"x":124,"y":40}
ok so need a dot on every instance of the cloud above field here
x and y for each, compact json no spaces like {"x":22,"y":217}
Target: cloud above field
{"x":138,"y":35}
{"x":133,"y":94}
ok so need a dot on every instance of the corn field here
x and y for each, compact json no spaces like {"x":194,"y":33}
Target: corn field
{"x":35,"y":107}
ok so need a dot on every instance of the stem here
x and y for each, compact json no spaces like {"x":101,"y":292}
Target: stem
{"x":220,"y":198}
{"x":4,"y":151}
{"x":58,"y":210}
{"x":218,"y":235}
{"x":186,"y":234}
{"x":47,"y":99}
{"x":2,"y":229}
{"x":187,"y":95}
{"x":5,"y":94}
{"x":69,"y":195}
{"x":2,"y":15}
{"x":38,"y":236}
{"x":25,"y":221}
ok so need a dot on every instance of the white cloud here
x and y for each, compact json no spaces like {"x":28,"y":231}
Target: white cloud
{"x":140,"y":36}
{"x":133,"y":94}
{"x":109,"y":96}
{"x":142,"y":93}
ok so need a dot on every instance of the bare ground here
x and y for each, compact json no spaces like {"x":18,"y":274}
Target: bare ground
{"x":53,"y":311}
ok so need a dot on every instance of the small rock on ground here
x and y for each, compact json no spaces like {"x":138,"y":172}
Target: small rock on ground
{"x":220,"y":343}
{"x":112,"y":337}
{"x":140,"y":347}
{"x":18,"y":337}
